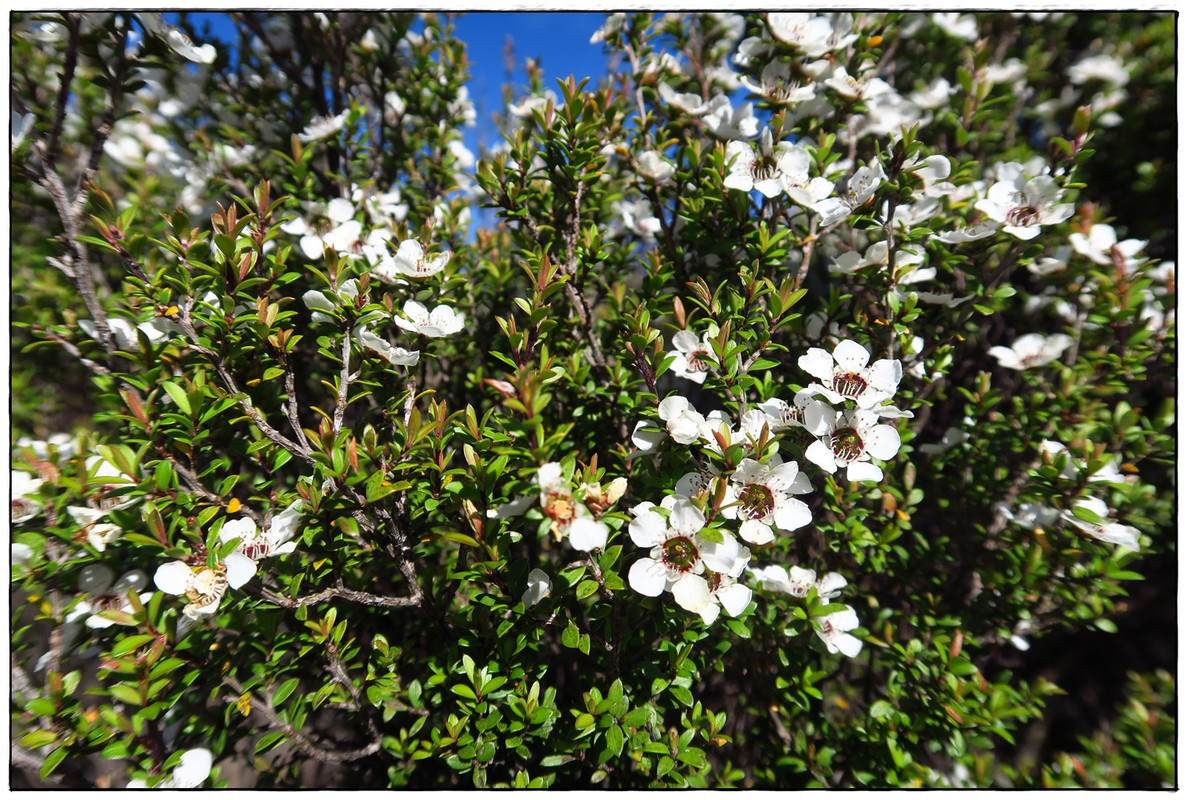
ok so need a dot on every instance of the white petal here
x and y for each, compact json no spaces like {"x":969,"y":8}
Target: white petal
{"x":243,"y":529}
{"x":792,"y":514}
{"x":648,"y":529}
{"x":821,"y":455}
{"x":686,"y":518}
{"x":176,"y":577}
{"x":648,"y":577}
{"x":830,"y":585}
{"x":193,"y":768}
{"x":586,"y":533}
{"x":863,"y":471}
{"x":882,"y":442}
{"x":756,"y":532}
{"x":818,"y":363}
{"x":691,"y":593}
{"x":240,"y":569}
{"x":851,"y":356}
{"x":734,"y":599}
{"x":539,"y":587}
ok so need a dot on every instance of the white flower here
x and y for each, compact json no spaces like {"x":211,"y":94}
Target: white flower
{"x":539,"y":587}
{"x":935,"y":95}
{"x":178,"y":41}
{"x":807,"y":32}
{"x":1106,"y":530}
{"x":156,"y":330}
{"x":833,"y":631}
{"x":394,"y":355}
{"x":779,"y":86}
{"x":654,"y":167}
{"x":683,"y":421}
{"x":638,"y":217}
{"x":845,"y":376}
{"x":1102,"y":67}
{"x":1031,"y":350}
{"x":1029,"y":515}
{"x":781,"y":416}
{"x":203,"y":587}
{"x":679,"y":559}
{"x":758,"y":494}
{"x":410,"y":260}
{"x":256,"y":544}
{"x":609,"y":29}
{"x":685,"y":101}
{"x":674,"y":544}
{"x":322,"y":127}
{"x":688,"y":359}
{"x":190,"y":772}
{"x":849,"y":440}
{"x":794,"y":168}
{"x":724,"y":122}
{"x":969,"y":234}
{"x":24,"y":508}
{"x":1102,"y":247}
{"x":99,"y":534}
{"x":756,"y":167}
{"x":958,"y":26}
{"x":707,"y":596}
{"x":22,"y":554}
{"x":571,"y":517}
{"x":951,"y":438}
{"x":798,"y":582}
{"x":1024,"y":204}
{"x":1052,"y":450}
{"x":853,"y":87}
{"x":443,"y":321}
{"x":102,"y":595}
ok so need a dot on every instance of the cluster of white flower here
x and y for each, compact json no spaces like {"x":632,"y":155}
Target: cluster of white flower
{"x":1093,"y":518}
{"x":573,"y":513}
{"x":204,"y":586}
{"x":693,"y":535}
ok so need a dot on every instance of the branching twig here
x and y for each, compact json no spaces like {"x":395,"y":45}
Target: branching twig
{"x":364,"y":598}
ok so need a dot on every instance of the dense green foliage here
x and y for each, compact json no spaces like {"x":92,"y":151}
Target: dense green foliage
{"x":426,"y":564}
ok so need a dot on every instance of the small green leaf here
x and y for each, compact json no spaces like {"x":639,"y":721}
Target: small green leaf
{"x":284,"y":690}
{"x":180,"y":398}
{"x":38,"y":738}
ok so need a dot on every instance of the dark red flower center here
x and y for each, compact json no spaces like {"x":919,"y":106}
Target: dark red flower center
{"x":847,"y":444}
{"x":756,"y":501}
{"x":680,"y":554}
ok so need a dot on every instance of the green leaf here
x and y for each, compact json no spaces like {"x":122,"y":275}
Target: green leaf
{"x":462,"y":690}
{"x":179,"y":396}
{"x":586,"y":588}
{"x":571,"y":635}
{"x":52,"y":761}
{"x":615,"y":740}
{"x":130,"y":643}
{"x":272,"y":372}
{"x":38,"y":738}
{"x":284,"y":690}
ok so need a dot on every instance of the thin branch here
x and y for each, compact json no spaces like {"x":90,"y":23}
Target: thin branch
{"x":344,"y":379}
{"x":314,"y":751}
{"x":365,"y":598}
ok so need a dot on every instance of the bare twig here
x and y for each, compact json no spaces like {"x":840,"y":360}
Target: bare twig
{"x":364,"y":598}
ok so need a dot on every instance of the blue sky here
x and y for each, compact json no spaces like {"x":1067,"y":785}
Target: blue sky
{"x":559,"y":40}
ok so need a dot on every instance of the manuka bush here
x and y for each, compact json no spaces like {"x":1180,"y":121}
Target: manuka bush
{"x":742,"y":419}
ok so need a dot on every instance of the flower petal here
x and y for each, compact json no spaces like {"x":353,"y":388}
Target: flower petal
{"x":648,"y":577}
